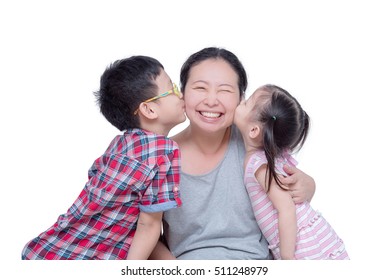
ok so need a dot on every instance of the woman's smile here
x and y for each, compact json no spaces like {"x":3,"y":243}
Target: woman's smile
{"x":212,"y":115}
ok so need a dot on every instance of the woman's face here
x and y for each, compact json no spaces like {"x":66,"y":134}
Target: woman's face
{"x":211,"y":95}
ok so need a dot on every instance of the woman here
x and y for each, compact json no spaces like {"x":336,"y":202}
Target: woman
{"x":216,"y":220}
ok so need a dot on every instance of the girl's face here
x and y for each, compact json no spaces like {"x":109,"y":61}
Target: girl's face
{"x":243,"y":112}
{"x":211,"y":95}
{"x":244,"y":116}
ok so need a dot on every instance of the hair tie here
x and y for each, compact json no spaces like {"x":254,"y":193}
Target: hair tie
{"x":274,"y":117}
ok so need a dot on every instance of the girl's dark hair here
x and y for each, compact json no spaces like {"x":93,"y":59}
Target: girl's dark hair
{"x":123,"y":86}
{"x":285,"y":126}
{"x":215,"y":53}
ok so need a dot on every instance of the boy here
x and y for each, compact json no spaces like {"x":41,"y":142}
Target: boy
{"x":118,"y":213}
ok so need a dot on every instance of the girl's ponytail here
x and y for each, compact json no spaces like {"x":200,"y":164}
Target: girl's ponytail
{"x":285,"y":126}
{"x":270,"y":148}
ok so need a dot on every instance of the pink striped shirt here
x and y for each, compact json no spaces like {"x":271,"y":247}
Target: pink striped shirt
{"x":316,"y":240}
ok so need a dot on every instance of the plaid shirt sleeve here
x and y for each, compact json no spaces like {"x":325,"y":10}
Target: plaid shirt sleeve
{"x":163,"y":193}
{"x":116,"y":181}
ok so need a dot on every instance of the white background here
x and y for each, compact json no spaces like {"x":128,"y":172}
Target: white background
{"x":331,"y":55}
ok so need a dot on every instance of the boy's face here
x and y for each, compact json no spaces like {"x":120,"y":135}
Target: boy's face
{"x":171,"y":109}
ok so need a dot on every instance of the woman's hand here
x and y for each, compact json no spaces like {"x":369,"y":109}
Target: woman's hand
{"x":300,"y":185}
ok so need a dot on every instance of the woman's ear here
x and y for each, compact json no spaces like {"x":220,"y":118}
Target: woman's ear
{"x":254,"y":131}
{"x":148,"y":111}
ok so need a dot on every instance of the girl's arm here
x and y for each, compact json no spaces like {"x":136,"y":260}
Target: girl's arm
{"x":287,"y":221}
{"x":146,"y":236}
{"x":300,"y":185}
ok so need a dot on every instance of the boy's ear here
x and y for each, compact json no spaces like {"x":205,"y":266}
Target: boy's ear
{"x":148,"y":110}
{"x":254,"y":131}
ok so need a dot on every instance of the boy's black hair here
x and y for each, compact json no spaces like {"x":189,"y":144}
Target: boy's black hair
{"x":123,"y":86}
{"x":215,"y":53}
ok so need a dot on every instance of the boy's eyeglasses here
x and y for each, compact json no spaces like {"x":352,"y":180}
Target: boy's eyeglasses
{"x":174,"y":90}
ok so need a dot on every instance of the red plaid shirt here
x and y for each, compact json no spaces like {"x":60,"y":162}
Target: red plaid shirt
{"x":138,"y":172}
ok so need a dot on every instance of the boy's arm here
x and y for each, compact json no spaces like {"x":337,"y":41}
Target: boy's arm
{"x":146,"y":235}
{"x":287,"y":223}
{"x":169,"y":170}
{"x":161,"y":252}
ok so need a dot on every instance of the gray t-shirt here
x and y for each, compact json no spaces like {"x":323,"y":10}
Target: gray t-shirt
{"x":216,"y":220}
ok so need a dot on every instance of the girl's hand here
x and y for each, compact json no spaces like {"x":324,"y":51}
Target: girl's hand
{"x":300,"y":185}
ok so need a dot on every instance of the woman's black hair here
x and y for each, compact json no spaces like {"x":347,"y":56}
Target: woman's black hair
{"x":215,"y":53}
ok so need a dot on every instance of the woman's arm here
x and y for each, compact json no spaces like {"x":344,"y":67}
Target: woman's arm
{"x":300,"y":185}
{"x":146,"y":236}
{"x":287,"y":221}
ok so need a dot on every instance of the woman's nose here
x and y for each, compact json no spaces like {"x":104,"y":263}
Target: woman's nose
{"x":211,"y":99}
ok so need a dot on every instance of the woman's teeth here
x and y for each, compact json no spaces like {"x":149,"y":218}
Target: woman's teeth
{"x":210,"y":114}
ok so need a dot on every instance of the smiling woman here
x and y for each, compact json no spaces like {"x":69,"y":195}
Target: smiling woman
{"x":211,"y":95}
{"x":216,"y":220}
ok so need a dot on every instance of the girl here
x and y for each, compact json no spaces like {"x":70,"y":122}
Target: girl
{"x":273,"y":125}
